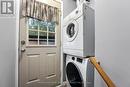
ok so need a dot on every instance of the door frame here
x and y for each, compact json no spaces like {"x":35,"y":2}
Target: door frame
{"x":17,"y":14}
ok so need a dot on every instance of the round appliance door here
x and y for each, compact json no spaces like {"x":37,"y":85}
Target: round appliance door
{"x":72,"y":30}
{"x":74,"y":75}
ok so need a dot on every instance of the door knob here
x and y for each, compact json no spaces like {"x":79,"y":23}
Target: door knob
{"x":22,"y":47}
{"x":23,"y":42}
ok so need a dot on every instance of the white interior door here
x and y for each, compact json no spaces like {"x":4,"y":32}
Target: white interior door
{"x":40,"y":53}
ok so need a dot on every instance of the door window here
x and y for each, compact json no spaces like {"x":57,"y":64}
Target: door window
{"x":51,"y":34}
{"x":74,"y":75}
{"x":41,"y":33}
{"x":33,"y":31}
{"x":71,"y":30}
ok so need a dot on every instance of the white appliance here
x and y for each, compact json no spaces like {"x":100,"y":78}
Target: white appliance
{"x":79,"y":2}
{"x":79,"y":72}
{"x":79,"y":32}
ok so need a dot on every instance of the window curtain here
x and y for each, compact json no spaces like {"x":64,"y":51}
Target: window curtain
{"x":41,"y":11}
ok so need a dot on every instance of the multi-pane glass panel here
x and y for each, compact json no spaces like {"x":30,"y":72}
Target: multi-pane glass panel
{"x":43,"y":26}
{"x":51,"y":34}
{"x":51,"y":38}
{"x":41,"y":32}
{"x":33,"y":31}
{"x":33,"y":24}
{"x":43,"y":38}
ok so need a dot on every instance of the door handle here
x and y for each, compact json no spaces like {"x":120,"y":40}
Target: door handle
{"x":22,"y":46}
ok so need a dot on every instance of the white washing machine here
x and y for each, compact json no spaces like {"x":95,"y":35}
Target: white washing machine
{"x":79,"y":72}
{"x":79,"y":32}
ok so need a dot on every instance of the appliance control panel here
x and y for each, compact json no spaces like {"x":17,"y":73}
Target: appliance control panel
{"x":79,"y":60}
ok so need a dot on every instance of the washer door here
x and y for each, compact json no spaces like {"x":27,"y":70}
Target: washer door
{"x":74,"y":76}
{"x":72,"y":30}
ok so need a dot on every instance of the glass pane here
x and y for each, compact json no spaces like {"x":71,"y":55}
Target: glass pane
{"x":71,"y":30}
{"x":33,"y":23}
{"x":51,"y":39}
{"x":51,"y":42}
{"x":43,"y":26}
{"x":51,"y":26}
{"x":43,"y":41}
{"x":33,"y":37}
{"x":51,"y":36}
{"x":42,"y":38}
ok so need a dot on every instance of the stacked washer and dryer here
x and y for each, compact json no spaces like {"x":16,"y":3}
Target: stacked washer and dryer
{"x":79,"y":45}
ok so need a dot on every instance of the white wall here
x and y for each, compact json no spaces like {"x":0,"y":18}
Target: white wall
{"x":113,"y":40}
{"x":68,"y":7}
{"x":7,"y":52}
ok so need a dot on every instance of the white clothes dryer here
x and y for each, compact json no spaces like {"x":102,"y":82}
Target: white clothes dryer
{"x":79,"y":32}
{"x":79,"y":72}
{"x":79,"y":2}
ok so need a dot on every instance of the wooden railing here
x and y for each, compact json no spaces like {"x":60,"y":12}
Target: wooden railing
{"x":102,"y":73}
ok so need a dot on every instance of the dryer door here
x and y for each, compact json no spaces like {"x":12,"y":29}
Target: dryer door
{"x":74,"y":75}
{"x":72,"y":30}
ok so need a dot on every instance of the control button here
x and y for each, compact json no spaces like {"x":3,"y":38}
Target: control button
{"x":79,"y":60}
{"x":73,"y":58}
{"x":77,"y":12}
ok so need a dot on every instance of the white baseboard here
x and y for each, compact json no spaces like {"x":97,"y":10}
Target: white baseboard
{"x":62,"y":85}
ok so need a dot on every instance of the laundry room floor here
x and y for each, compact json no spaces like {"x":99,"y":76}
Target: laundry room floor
{"x":63,"y":85}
